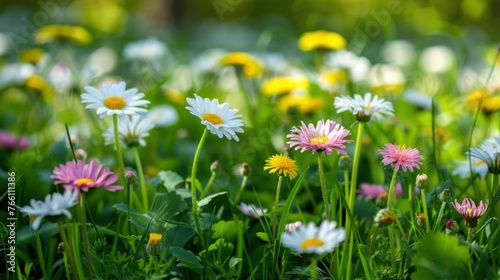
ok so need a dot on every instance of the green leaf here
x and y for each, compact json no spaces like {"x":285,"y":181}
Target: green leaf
{"x":263,"y":236}
{"x":207,"y":199}
{"x":440,"y":256}
{"x":179,"y":235}
{"x":187,"y":258}
{"x":219,"y":251}
{"x":234,"y":261}
{"x":168,"y":179}
{"x":228,"y":230}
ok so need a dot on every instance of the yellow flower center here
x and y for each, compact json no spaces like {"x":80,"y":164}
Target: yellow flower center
{"x":115,"y":102}
{"x":83,"y":181}
{"x":312,"y":242}
{"x":367,"y":106}
{"x":469,"y":211}
{"x":212,"y":118}
{"x":479,"y":163}
{"x":319,"y":140}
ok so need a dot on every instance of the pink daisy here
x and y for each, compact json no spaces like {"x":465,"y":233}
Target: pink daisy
{"x":82,"y":177}
{"x":469,"y":211}
{"x":372,"y":191}
{"x":400,"y":156}
{"x":326,"y":136}
{"x":10,"y":141}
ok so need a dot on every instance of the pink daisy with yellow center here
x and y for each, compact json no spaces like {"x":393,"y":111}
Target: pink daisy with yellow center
{"x":469,"y":211}
{"x":401,"y":156}
{"x":83,"y":177}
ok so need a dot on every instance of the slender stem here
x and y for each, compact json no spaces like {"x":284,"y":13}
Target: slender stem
{"x":129,"y":203}
{"x":85,"y":236}
{"x":440,"y":216}
{"x":66,"y":266}
{"x":142,"y":181}
{"x":242,"y":187}
{"x":469,"y":234}
{"x":314,"y":271}
{"x":68,"y":250}
{"x":276,"y":200}
{"x":424,"y":205}
{"x":118,"y":146}
{"x":193,"y":187}
{"x":391,"y":246}
{"x":209,"y":184}
{"x":392,"y":190}
{"x":323,"y":186}
{"x":346,"y":191}
{"x":40,"y":254}
{"x":352,"y":195}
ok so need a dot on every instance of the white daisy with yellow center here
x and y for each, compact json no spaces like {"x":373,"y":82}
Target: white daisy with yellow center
{"x":218,"y":118}
{"x":114,"y":99}
{"x":364,"y":108}
{"x":131,"y":131}
{"x":311,"y":239}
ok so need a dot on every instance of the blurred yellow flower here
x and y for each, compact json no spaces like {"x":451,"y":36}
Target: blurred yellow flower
{"x":489,"y":103}
{"x":53,"y":33}
{"x":40,"y":85}
{"x":335,"y":76}
{"x":33,"y":55}
{"x":250,"y":66}
{"x":283,"y":85}
{"x":281,"y":164}
{"x":304,"y":104}
{"x":155,"y":239}
{"x":175,"y":96}
{"x":151,"y":170}
{"x":322,"y":40}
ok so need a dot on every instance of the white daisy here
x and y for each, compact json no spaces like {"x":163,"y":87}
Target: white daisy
{"x":364,"y":108}
{"x":489,"y":152}
{"x":145,"y":50}
{"x":54,"y":205}
{"x":114,"y":99}
{"x":251,"y":210}
{"x":131,"y":131}
{"x":311,"y":239}
{"x":218,"y":118}
{"x":163,"y":115}
{"x":464,"y":168}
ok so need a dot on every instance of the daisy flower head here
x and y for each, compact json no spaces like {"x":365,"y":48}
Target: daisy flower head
{"x":326,"y":136}
{"x":489,"y":153}
{"x":311,"y":239}
{"x":163,"y":115}
{"x":83,"y":177}
{"x":251,"y":210}
{"x":145,"y":50}
{"x":131,"y":131}
{"x":54,"y":205}
{"x":463,"y":168}
{"x":218,"y":118}
{"x":364,"y":108}
{"x":281,"y":164}
{"x":401,"y":156}
{"x":469,"y":211}
{"x":371,"y":191}
{"x":114,"y":99}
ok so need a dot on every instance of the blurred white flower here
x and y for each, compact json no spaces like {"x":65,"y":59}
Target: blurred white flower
{"x":464,"y":168}
{"x":15,"y":73}
{"x":311,"y":239}
{"x":357,"y":66}
{"x":101,"y":61}
{"x":131,"y":130}
{"x":398,"y":52}
{"x":251,"y":210}
{"x":145,"y":50}
{"x":418,"y":99}
{"x":54,"y":205}
{"x":163,"y":115}
{"x":437,"y":59}
{"x":60,"y":77}
{"x":382,"y":75}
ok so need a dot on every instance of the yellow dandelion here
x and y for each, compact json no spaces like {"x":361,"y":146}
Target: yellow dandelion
{"x":281,"y":164}
{"x":321,"y":40}
{"x":54,"y":33}
{"x":304,"y":104}
{"x":283,"y":85}
{"x":155,"y":239}
{"x":250,"y":66}
{"x":40,"y":85}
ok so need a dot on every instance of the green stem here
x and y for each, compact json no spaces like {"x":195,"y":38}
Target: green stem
{"x":323,"y":186}
{"x":424,"y":205}
{"x":391,"y":246}
{"x":242,"y":187}
{"x":142,"y":181}
{"x":85,"y":236}
{"x":440,"y":216}
{"x":209,"y":184}
{"x":129,"y":203}
{"x":118,"y":146}
{"x":69,"y":251}
{"x":314,"y":271}
{"x":469,"y":235}
{"x":346,"y":191}
{"x":193,"y":187}
{"x":276,"y":201}
{"x":66,"y":266}
{"x":352,"y":196}
{"x":392,"y":190}
{"x":40,"y":254}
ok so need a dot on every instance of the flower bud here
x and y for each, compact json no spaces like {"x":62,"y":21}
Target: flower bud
{"x":445,"y":195}
{"x":245,"y":169}
{"x":420,"y":219}
{"x":452,"y":227}
{"x":80,"y":154}
{"x":154,"y":244}
{"x":422,"y":181}
{"x":384,"y":218}
{"x":345,"y":163}
{"x":215,"y":167}
{"x":293,"y":226}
